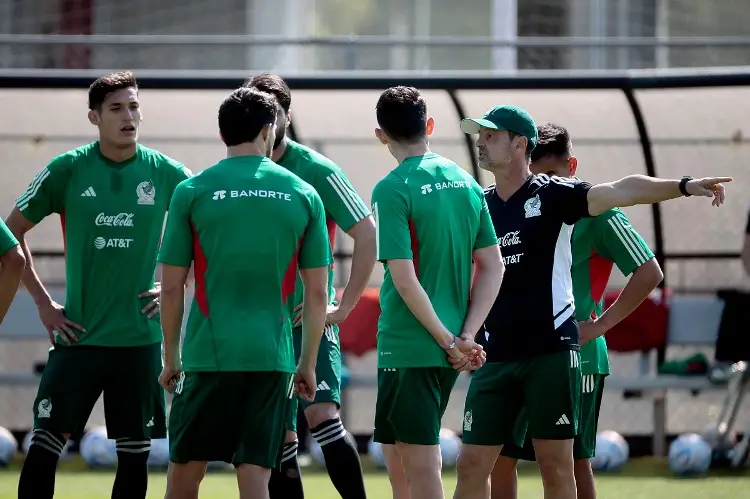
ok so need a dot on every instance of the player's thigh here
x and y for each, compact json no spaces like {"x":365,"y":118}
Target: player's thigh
{"x":410,"y":404}
{"x":134,"y":404}
{"x":552,"y":391}
{"x":71,"y":383}
{"x":204,"y":417}
{"x":328,"y":369}
{"x":592,"y":389}
{"x":493,"y":404}
{"x":263,"y":409}
{"x":515,"y":450}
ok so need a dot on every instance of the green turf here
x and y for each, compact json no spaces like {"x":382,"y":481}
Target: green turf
{"x":642,"y":479}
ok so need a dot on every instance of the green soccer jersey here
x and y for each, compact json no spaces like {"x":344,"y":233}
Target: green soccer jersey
{"x":247,"y":223}
{"x":598,"y":243}
{"x":7,"y":239}
{"x":112,"y":217}
{"x":433,"y":212}
{"x":343,"y":206}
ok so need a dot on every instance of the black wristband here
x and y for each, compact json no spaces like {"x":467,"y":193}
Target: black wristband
{"x":683,"y":184}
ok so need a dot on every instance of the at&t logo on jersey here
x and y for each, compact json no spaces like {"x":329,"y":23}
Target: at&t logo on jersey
{"x":112,"y":242}
{"x":119,"y":220}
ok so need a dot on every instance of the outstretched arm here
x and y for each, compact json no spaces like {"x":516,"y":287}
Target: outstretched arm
{"x":642,"y":189}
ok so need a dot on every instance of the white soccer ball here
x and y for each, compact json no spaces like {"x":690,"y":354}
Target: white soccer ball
{"x":375,"y":453}
{"x":450,"y":447}
{"x":689,"y":455}
{"x":97,"y":450}
{"x":27,"y":443}
{"x":8,"y":447}
{"x":612,"y":451}
{"x":159,"y":455}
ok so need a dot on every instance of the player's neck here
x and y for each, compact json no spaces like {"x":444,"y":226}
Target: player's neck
{"x":508,"y":180}
{"x":246,"y":149}
{"x":403,"y":151}
{"x":118,"y":154}
{"x":279,"y":151}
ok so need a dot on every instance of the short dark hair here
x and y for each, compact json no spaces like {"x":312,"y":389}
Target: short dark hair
{"x":273,"y":84}
{"x":102,"y":87}
{"x":243,"y":115}
{"x":554,"y":140}
{"x":402,"y":113}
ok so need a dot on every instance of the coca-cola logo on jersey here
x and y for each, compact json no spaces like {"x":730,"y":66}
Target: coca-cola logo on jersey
{"x":119,"y":220}
{"x":509,"y":239}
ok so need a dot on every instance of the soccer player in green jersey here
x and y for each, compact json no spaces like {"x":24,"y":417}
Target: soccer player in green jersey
{"x":432,"y":223}
{"x":112,"y":196}
{"x":343,"y":208}
{"x":598,"y":243}
{"x":12,"y":263}
{"x":247,"y":225}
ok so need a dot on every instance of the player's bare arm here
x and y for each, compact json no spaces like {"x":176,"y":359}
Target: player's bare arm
{"x":364,"y":256}
{"x":415,"y":297}
{"x":12,"y":264}
{"x":51,"y":313}
{"x":314,"y":308}
{"x":643,"y":281}
{"x":173,"y":283}
{"x":642,"y":189}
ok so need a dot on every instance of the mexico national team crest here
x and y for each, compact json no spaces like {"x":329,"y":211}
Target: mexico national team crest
{"x":146,"y":193}
{"x":533,"y":207}
{"x":44,"y":409}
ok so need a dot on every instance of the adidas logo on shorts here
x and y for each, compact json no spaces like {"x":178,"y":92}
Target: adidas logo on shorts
{"x":563,"y":420}
{"x":323,"y":386}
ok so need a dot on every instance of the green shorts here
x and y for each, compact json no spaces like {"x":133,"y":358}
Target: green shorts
{"x":235,"y":417}
{"x":75,"y":377}
{"x":548,"y":387}
{"x":584,"y":444}
{"x":411,"y":403}
{"x":327,"y":372}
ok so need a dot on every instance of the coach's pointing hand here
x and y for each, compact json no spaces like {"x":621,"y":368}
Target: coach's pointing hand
{"x":709,"y":187}
{"x":53,"y":317}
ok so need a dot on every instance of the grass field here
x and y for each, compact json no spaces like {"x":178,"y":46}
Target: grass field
{"x":641,"y":479}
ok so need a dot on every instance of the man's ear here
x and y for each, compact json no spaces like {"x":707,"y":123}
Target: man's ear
{"x":430,"y":126}
{"x":572,"y":165}
{"x":382,"y":137}
{"x":94,"y":117}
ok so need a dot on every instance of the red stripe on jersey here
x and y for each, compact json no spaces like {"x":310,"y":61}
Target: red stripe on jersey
{"x":62,"y":224}
{"x":290,"y":276}
{"x":201,"y":265}
{"x":599,"y":271}
{"x":414,"y":246}
{"x":331,"y":226}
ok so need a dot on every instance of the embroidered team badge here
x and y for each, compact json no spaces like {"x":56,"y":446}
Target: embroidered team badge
{"x":468,"y":419}
{"x":146,"y":193}
{"x":44,"y":409}
{"x":533,"y":207}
